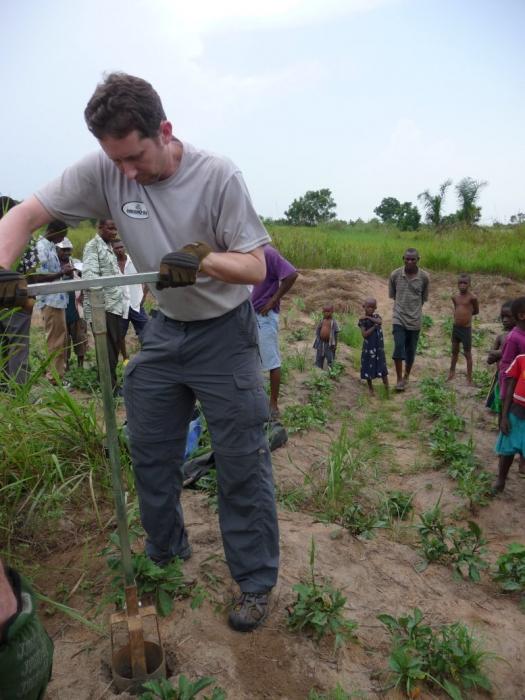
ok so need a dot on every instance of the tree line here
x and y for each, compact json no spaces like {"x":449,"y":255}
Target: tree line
{"x":318,"y":207}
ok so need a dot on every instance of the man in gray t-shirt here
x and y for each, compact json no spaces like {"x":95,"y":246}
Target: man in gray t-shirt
{"x":408,"y":287}
{"x":188,"y":211}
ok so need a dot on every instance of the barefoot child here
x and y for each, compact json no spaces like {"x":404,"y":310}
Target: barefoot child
{"x":465,"y":306}
{"x":514,"y":346}
{"x":373,"y":361}
{"x":326,"y":338}
{"x":507,"y":321}
{"x":511,"y":439}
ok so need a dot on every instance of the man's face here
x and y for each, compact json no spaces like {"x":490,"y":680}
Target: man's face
{"x":63,"y":254}
{"x":119,"y":250}
{"x":107,"y":230}
{"x":145,"y":160}
{"x":56,"y":237}
{"x":411,"y":260}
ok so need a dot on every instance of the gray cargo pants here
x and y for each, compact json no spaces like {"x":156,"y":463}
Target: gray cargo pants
{"x":217,"y":362}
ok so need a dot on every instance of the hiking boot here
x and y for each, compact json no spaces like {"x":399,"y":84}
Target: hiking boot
{"x":249,"y":611}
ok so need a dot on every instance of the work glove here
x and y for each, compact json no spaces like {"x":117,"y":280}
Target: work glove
{"x":13,"y":289}
{"x":180,"y":269}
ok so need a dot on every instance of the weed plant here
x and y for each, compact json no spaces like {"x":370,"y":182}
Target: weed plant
{"x":447,"y":656}
{"x":313,"y":413}
{"x":397,"y":504}
{"x":299,"y":334}
{"x":359,"y":522}
{"x":349,"y":332}
{"x":318,"y":609}
{"x":464,"y":548}
{"x":510,"y":569}
{"x":162,"y":689}
{"x":162,"y":584}
{"x":52,"y":454}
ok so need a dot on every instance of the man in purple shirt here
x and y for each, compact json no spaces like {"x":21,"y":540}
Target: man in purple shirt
{"x":266,"y":298}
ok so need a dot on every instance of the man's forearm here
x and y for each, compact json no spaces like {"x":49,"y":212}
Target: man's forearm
{"x":17,"y":226}
{"x":236,"y":268}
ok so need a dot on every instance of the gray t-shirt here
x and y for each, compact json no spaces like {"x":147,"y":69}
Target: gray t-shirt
{"x":409,"y":294}
{"x":206,"y":200}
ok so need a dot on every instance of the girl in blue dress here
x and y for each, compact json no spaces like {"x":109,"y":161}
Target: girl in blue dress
{"x":373,"y":361}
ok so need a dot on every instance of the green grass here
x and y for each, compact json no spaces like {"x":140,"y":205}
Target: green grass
{"x":494,"y":250}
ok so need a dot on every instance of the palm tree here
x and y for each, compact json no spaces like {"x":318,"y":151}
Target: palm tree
{"x":433,"y":204}
{"x":468,"y":192}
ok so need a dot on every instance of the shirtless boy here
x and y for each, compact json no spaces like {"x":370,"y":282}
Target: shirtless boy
{"x":465,"y":306}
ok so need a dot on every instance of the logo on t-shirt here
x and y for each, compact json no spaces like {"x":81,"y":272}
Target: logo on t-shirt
{"x":135,"y":210}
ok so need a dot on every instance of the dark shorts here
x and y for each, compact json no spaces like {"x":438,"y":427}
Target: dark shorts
{"x":405,"y":344}
{"x":463,"y":336}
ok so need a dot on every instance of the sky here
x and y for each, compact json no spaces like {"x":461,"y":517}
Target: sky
{"x":369,"y":98}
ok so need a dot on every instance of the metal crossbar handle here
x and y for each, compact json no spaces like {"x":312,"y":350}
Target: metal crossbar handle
{"x":96,"y":282}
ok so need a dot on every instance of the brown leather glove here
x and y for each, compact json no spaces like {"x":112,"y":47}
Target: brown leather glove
{"x":180,"y":269}
{"x":13,"y":289}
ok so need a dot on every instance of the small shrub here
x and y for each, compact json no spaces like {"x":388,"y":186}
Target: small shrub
{"x":318,"y":610}
{"x":448,"y":544}
{"x":447,"y":656}
{"x":510,"y":568}
{"x":162,"y":689}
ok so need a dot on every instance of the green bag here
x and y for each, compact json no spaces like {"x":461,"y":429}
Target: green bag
{"x":26,"y":651}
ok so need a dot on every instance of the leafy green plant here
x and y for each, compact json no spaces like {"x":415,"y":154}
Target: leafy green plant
{"x":300,"y":359}
{"x":338,"y":693}
{"x":160,"y":583}
{"x":397,"y":504}
{"x":359,"y":522}
{"x":303,"y":417}
{"x":299,"y":334}
{"x":464,"y":548}
{"x":447,"y":656}
{"x":336,"y":370}
{"x":162,"y":689}
{"x":426,"y":322}
{"x":83,"y":378}
{"x":318,"y":609}
{"x":510,"y":568}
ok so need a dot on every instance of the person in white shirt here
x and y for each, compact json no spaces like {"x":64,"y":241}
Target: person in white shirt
{"x":133,"y":297}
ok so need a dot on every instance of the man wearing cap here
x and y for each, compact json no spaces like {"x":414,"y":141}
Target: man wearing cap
{"x":75,"y":322}
{"x":100,"y":261}
{"x":53,"y":306}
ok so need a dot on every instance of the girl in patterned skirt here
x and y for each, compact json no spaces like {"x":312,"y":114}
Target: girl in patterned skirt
{"x":373,"y":361}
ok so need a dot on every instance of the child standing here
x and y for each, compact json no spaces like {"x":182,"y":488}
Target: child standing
{"x":465,"y":306}
{"x":326,"y":338}
{"x":511,"y":440}
{"x":373,"y":360}
{"x":507,"y":321}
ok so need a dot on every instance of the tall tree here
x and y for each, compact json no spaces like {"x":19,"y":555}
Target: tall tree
{"x":433,"y":204}
{"x":313,"y":208}
{"x":468,"y":194}
{"x":409,"y":217}
{"x":388,"y":210}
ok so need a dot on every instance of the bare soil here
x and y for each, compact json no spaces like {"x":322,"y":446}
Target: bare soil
{"x":376,"y":575}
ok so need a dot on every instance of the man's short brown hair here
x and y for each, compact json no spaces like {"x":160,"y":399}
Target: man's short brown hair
{"x":121,"y":104}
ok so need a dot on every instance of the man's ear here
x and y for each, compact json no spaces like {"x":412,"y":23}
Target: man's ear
{"x":166,"y":131}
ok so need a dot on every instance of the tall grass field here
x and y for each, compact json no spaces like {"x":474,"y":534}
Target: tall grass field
{"x":496,"y":250}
